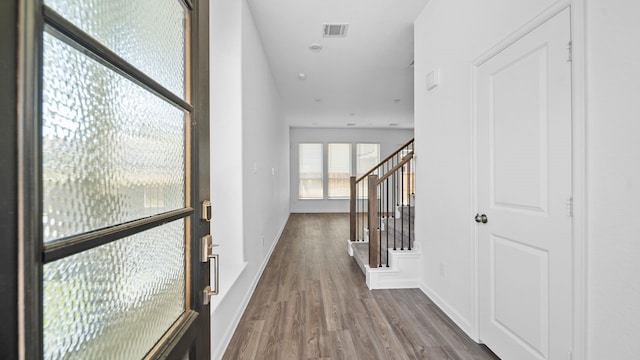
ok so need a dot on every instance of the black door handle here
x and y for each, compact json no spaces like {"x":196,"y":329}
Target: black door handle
{"x":481,"y":218}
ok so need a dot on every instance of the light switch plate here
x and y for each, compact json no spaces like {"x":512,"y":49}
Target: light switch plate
{"x":433,"y":79}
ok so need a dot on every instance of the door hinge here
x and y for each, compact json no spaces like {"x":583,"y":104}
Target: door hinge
{"x":570,"y":52}
{"x":570,"y":206}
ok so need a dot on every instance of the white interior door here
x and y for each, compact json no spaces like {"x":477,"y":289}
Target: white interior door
{"x":524,"y":179}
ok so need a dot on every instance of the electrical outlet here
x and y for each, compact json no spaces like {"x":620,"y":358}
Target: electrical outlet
{"x":442,"y":270}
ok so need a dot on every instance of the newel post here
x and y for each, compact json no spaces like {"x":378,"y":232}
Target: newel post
{"x":352,"y":210}
{"x":374,"y":241}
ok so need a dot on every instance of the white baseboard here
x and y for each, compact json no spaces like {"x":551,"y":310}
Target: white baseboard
{"x":314,"y":210}
{"x":458,"y":319}
{"x":232,"y":273}
{"x":228,"y":335}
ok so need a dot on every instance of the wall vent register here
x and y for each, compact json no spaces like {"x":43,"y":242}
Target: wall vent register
{"x":335,"y":30}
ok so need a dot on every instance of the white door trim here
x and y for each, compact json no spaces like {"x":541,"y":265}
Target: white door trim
{"x":579,"y":165}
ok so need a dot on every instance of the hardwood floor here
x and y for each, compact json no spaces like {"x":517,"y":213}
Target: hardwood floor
{"x":312,"y":303}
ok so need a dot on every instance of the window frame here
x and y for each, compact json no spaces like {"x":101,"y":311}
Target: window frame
{"x":353,"y":166}
{"x":27,"y":20}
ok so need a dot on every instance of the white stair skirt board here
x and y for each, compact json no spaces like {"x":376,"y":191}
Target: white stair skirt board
{"x":349,"y":248}
{"x":403,"y":271}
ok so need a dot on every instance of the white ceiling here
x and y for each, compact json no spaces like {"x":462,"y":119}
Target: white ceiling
{"x":356,"y":77}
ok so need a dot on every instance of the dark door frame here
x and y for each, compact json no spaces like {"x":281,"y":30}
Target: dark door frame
{"x":22,"y":254}
{"x":9,"y":179}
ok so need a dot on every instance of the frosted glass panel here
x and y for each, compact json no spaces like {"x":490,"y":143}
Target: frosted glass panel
{"x":112,"y":151}
{"x":150,"y":34}
{"x":117,"y":300}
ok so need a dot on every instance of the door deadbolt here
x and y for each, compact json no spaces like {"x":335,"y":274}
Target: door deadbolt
{"x":481,"y":218}
{"x":206,"y":210}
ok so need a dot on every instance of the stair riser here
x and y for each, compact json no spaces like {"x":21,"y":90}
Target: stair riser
{"x":398,"y":224}
{"x":400,"y":234}
{"x":402,"y":212}
{"x":398,"y":245}
{"x":405,"y":213}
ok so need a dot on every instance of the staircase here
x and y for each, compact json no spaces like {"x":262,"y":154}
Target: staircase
{"x":397,"y":234}
{"x":387,"y":254}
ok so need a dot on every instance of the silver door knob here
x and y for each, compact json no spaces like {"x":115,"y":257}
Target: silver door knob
{"x":481,"y":218}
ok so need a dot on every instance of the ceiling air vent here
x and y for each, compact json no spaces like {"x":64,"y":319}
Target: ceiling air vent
{"x":335,"y":30}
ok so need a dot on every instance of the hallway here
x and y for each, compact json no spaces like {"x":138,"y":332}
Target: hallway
{"x":312,"y":302}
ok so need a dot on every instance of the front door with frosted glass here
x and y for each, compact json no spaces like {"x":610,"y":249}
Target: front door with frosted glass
{"x":111,"y":211}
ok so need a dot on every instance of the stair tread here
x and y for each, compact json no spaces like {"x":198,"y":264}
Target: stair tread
{"x":361,"y":254}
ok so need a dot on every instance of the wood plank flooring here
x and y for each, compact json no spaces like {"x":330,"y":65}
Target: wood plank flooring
{"x":312,"y":303}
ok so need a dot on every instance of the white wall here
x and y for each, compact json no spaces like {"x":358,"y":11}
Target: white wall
{"x":613,"y":78}
{"x":450,"y":34}
{"x":250,"y":163}
{"x":265,"y":152}
{"x":226,"y":129}
{"x":389,"y":140}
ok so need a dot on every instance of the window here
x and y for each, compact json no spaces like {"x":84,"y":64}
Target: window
{"x":310,"y":171}
{"x":339,"y":158}
{"x":367,"y":156}
{"x":339,"y":170}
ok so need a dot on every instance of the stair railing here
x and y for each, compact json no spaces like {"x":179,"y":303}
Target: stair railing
{"x":377,"y":199}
